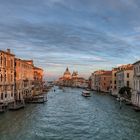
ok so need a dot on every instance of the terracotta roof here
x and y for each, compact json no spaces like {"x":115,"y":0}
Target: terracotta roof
{"x":107,"y":73}
{"x":136,"y":62}
{"x":7,"y":53}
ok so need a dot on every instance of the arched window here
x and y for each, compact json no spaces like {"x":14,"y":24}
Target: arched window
{"x":1,"y":77}
{"x":5,"y":78}
{"x":0,"y":60}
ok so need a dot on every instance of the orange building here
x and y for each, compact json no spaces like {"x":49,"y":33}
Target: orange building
{"x":105,"y":81}
{"x":24,"y":76}
{"x":101,"y":80}
{"x":38,"y":80}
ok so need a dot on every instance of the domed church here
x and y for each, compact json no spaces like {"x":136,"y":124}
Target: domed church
{"x":67,"y":74}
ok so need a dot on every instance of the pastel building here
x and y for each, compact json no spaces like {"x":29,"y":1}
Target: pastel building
{"x":114,"y":82}
{"x":105,"y":81}
{"x":101,"y":80}
{"x":24,"y":78}
{"x":38,"y":80}
{"x":124,"y":77}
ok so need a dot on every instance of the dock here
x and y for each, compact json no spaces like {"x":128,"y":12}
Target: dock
{"x":17,"y":105}
{"x":2,"y":108}
{"x":37,"y":99}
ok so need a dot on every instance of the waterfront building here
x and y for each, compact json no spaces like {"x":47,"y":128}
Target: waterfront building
{"x":94,"y":79}
{"x":136,"y":85}
{"x":113,"y":89}
{"x":38,"y":81}
{"x":24,"y":78}
{"x":124,"y":77}
{"x":6,"y":76}
{"x":105,"y":81}
{"x":101,"y":80}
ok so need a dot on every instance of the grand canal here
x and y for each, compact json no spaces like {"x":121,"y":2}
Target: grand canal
{"x":69,"y":116}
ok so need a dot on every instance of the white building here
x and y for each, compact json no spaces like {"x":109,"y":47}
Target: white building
{"x":136,"y":87}
{"x":124,"y":77}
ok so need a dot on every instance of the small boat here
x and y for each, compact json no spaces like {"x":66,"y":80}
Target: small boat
{"x":129,"y":103}
{"x":86,"y":94}
{"x":137,"y":109}
{"x":88,"y":89}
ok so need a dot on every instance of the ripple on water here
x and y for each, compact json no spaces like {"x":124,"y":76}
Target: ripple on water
{"x":67,"y":116}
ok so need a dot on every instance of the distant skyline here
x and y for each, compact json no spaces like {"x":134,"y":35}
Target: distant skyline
{"x":84,"y":35}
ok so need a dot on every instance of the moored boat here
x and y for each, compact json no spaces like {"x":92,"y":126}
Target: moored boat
{"x":137,"y":109}
{"x":37,"y":99}
{"x":86,"y":94}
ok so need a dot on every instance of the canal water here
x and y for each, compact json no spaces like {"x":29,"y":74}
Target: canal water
{"x":69,"y":116}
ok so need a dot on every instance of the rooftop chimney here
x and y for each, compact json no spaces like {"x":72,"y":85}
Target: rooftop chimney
{"x":8,"y":50}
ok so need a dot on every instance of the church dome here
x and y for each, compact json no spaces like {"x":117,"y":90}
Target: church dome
{"x":67,"y":73}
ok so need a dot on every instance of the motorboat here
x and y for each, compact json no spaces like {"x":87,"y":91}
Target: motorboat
{"x":86,"y":94}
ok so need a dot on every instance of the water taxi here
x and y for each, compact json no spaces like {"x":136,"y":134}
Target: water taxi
{"x":86,"y":94}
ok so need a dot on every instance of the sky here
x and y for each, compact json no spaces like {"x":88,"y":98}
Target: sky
{"x":84,"y":35}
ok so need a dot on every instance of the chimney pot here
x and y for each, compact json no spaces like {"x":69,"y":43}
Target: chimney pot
{"x":8,"y":50}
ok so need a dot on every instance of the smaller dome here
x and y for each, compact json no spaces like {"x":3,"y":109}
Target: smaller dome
{"x":75,"y":74}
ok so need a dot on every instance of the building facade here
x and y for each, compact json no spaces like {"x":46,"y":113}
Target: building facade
{"x":38,"y":81}
{"x":136,"y":85}
{"x":24,"y":78}
{"x":6,"y":76}
{"x":19,"y":78}
{"x":114,"y":82}
{"x":124,"y":77}
{"x":105,"y":81}
{"x":101,"y":80}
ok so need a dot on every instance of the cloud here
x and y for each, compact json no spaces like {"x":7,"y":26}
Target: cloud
{"x":82,"y":34}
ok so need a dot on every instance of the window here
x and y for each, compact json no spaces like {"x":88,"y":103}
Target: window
{"x":1,"y":77}
{"x":11,"y":78}
{"x":5,"y":61}
{"x":127,"y":75}
{"x":5,"y":78}
{"x":1,"y":96}
{"x":127,"y":83}
{"x":115,"y":74}
{"x":11,"y":63}
{"x":115,"y":87}
{"x":134,"y":70}
{"x":1,"y":61}
{"x":6,"y":95}
{"x":115,"y":82}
